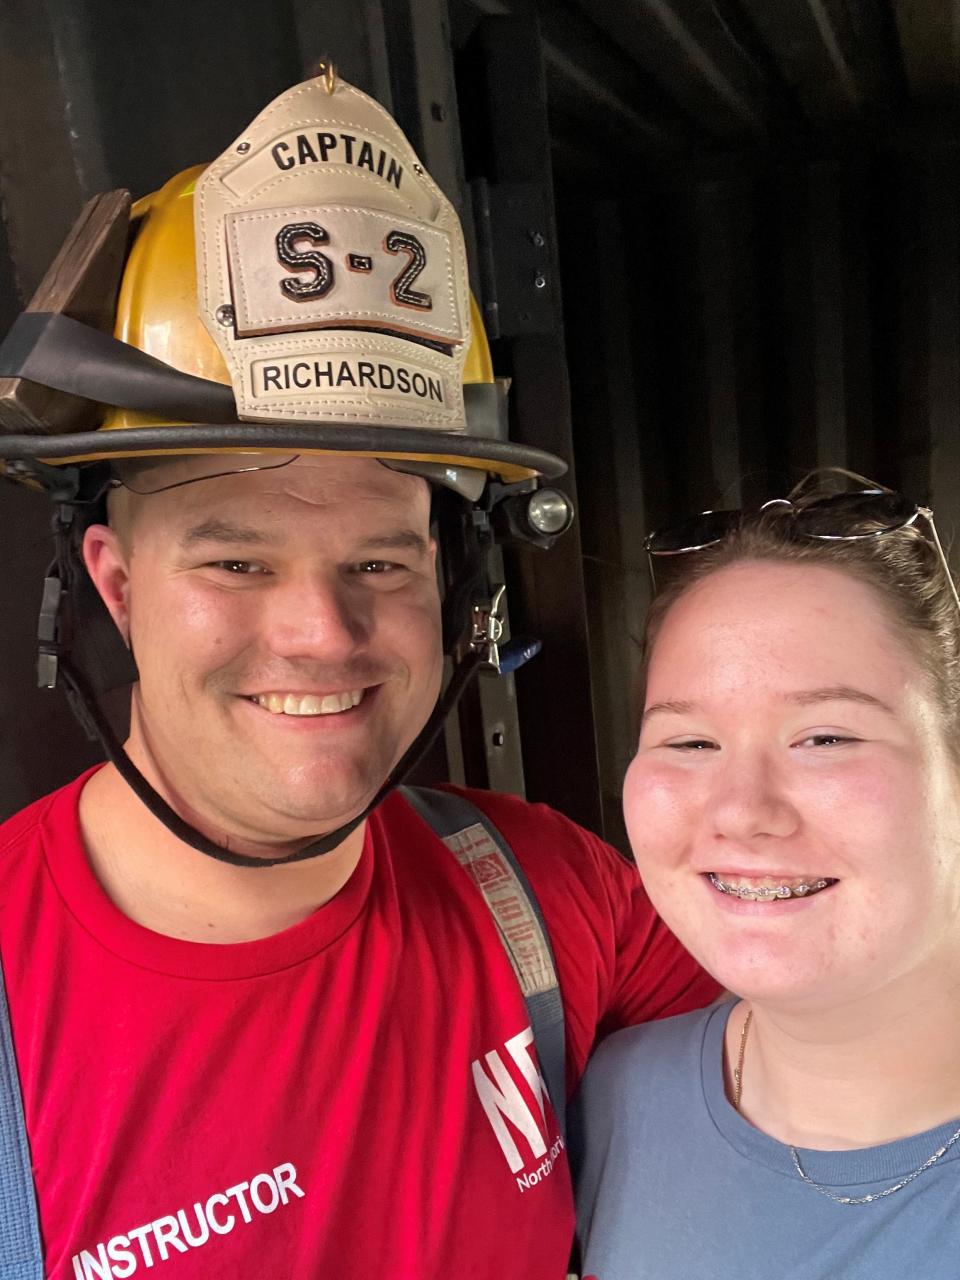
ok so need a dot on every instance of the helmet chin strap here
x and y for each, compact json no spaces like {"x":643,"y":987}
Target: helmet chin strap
{"x":88,"y":711}
{"x":57,"y":666}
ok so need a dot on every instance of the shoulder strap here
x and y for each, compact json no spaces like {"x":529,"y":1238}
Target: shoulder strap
{"x":487,"y":857}
{"x":21,"y":1254}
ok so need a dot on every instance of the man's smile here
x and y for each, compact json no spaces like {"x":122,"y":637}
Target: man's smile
{"x":308,"y":704}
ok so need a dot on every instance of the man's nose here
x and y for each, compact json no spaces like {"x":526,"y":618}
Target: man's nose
{"x":316,"y":617}
{"x":750,"y":800}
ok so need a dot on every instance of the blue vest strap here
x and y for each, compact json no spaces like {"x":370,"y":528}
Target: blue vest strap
{"x":21,"y":1253}
{"x":458,"y":823}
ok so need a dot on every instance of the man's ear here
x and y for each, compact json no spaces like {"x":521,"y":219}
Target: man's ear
{"x":107,"y":565}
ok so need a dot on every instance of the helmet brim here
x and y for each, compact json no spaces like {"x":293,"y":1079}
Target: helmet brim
{"x":507,"y":461}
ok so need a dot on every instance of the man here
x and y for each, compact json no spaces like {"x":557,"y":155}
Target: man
{"x":264,"y":1020}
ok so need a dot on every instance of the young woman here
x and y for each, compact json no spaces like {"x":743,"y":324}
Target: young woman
{"x":794,"y":808}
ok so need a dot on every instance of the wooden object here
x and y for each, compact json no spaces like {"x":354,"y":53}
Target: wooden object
{"x":82,"y":283}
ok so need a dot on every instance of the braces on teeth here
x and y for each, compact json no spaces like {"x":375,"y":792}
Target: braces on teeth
{"x":765,"y":893}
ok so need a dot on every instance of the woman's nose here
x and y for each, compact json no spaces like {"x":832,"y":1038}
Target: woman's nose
{"x":750,"y":801}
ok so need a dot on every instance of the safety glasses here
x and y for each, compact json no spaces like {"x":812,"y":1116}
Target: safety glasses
{"x":167,"y":473}
{"x":831,"y":519}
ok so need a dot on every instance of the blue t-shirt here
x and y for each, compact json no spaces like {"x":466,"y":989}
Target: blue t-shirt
{"x":674,"y":1184}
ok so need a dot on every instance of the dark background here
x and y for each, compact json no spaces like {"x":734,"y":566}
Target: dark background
{"x":717,"y":243}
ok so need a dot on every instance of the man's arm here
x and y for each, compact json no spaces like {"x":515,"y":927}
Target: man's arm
{"x":617,"y":962}
{"x":654,"y":976}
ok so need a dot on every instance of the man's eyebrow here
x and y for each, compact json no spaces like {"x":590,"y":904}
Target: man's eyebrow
{"x":838,"y":693}
{"x":226,"y":531}
{"x":401,"y":540}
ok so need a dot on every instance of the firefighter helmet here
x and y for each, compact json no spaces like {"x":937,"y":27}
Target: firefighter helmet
{"x":306,"y":292}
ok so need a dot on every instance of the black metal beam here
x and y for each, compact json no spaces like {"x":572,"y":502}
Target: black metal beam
{"x":424,"y":94}
{"x":588,"y":72}
{"x":352,"y":35}
{"x":687,"y":49}
{"x":929,"y":36}
{"x":840,"y":57}
{"x":36,"y":148}
{"x":613,"y":375}
{"x":424,"y":89}
{"x":177,"y":93}
{"x":929,"y":442}
{"x":547,"y":590}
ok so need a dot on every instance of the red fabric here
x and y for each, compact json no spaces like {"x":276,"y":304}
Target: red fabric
{"x":309,"y":1101}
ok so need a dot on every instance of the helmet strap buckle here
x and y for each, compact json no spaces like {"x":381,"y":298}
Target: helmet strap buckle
{"x":54,"y":623}
{"x":487,"y":629}
{"x":49,"y":625}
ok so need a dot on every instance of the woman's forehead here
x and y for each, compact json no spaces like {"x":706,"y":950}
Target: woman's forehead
{"x":765,"y":624}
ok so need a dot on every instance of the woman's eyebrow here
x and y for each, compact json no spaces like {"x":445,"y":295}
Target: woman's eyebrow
{"x":674,"y":707}
{"x":802,"y":697}
{"x":838,"y":693}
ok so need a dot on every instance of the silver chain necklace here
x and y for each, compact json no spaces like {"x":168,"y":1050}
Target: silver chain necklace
{"x":876,"y":1195}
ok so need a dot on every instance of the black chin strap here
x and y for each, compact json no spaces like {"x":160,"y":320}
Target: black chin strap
{"x":61,"y":662}
{"x":87,"y":710}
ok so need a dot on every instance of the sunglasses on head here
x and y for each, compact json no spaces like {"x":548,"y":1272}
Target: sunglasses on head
{"x":830,"y":519}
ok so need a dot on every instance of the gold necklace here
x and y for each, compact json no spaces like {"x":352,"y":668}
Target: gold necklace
{"x":738,"y":1069}
{"x":876,"y":1195}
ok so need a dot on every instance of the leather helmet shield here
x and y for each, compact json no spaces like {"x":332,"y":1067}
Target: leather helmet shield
{"x":332,"y":273}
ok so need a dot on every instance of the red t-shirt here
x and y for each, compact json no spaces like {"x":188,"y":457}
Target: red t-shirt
{"x":309,"y":1105}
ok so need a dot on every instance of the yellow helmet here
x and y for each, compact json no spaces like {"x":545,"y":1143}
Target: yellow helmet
{"x":306,"y":292}
{"x":157,"y":305}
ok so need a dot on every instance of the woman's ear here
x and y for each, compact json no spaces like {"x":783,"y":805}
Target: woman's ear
{"x":107,"y":565}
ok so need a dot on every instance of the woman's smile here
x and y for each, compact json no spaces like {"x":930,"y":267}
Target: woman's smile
{"x":798,"y":778}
